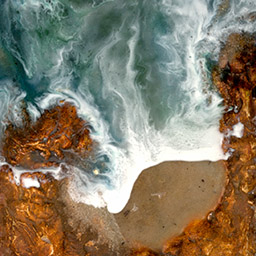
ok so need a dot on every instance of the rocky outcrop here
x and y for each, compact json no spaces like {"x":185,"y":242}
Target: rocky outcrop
{"x":58,"y":136}
{"x":35,"y":221}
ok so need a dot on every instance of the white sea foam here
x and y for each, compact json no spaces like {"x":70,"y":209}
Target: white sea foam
{"x":237,"y":130}
{"x":18,"y":172}
{"x":30,"y":182}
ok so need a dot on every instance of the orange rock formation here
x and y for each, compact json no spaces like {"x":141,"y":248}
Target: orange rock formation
{"x":59,"y":135}
{"x":33,"y":223}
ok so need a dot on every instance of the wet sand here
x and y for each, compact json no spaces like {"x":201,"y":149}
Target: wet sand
{"x":165,"y":198}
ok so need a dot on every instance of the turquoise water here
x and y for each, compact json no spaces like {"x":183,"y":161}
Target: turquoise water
{"x":136,"y":70}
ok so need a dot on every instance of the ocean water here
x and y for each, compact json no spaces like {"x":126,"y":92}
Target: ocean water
{"x":138,"y":72}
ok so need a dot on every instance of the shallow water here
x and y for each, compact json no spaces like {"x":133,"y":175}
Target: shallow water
{"x":138,"y":72}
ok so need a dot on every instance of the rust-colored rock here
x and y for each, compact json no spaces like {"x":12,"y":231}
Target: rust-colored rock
{"x":144,"y":252}
{"x":33,"y":221}
{"x":59,"y":135}
{"x":30,"y":224}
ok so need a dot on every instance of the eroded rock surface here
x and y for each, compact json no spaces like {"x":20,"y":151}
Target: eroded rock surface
{"x":59,"y":135}
{"x":39,"y":221}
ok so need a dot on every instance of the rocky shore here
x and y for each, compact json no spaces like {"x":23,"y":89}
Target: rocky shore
{"x":43,"y":220}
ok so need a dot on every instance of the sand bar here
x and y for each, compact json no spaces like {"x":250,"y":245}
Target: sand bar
{"x":166,"y":198}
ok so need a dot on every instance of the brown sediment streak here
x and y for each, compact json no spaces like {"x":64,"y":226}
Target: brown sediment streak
{"x":59,"y":135}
